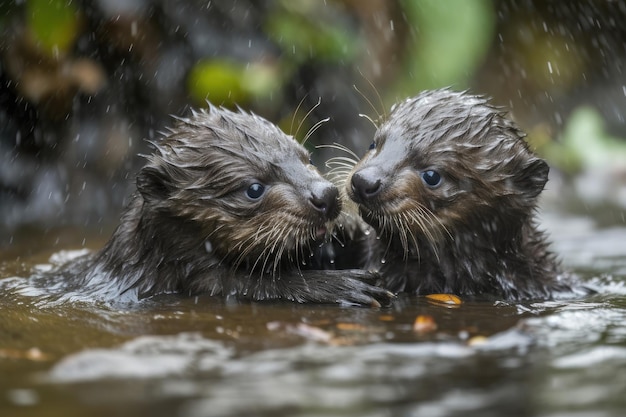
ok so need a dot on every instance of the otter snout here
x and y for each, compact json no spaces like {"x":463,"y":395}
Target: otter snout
{"x":325,"y":199}
{"x":366,"y":184}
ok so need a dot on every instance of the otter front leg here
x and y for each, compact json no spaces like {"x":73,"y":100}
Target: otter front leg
{"x":345,"y":287}
{"x":353,"y":287}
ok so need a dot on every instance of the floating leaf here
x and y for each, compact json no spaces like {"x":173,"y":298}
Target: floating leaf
{"x":447,"y":299}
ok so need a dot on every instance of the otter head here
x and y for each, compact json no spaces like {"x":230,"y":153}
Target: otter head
{"x":446,"y":161}
{"x":249,"y":189}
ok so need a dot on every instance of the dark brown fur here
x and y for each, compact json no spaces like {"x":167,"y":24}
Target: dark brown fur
{"x":192,"y":228}
{"x":474,"y":232}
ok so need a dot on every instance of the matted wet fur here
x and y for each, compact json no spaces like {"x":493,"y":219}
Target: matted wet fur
{"x":451,"y":187}
{"x":226,"y":205}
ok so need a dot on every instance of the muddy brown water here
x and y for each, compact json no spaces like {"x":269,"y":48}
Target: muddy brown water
{"x":201,"y":356}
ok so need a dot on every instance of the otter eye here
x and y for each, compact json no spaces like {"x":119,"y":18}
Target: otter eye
{"x":372,"y":145}
{"x":255,"y":191}
{"x":431,"y":178}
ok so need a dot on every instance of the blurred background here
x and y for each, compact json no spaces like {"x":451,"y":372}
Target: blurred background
{"x":84,"y":83}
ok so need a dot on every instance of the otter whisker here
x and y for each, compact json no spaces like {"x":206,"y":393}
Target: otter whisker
{"x":365,"y":116}
{"x":406,"y":231}
{"x":335,"y":237}
{"x":422,"y":219}
{"x":340,"y":171}
{"x":428,"y":227}
{"x":382,"y":219}
{"x":342,"y":148}
{"x":265,"y":256}
{"x":343,"y":161}
{"x":319,"y":101}
{"x":295,"y":113}
{"x":380,"y":99}
{"x":417,"y":217}
{"x":314,"y":128}
{"x":443,"y":226}
{"x":245,"y":247}
{"x":403,"y":226}
{"x":339,"y":174}
{"x":371,"y":105}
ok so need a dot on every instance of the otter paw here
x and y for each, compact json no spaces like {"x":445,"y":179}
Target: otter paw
{"x":363,"y":289}
{"x":345,"y":287}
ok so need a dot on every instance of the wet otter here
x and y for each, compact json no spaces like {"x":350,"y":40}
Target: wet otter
{"x":450,"y":186}
{"x":227,"y":205}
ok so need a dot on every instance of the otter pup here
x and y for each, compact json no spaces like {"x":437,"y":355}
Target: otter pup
{"x":451,"y":189}
{"x":227,"y":205}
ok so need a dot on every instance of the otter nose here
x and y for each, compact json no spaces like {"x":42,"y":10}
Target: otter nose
{"x":325,"y":199}
{"x":366,"y":184}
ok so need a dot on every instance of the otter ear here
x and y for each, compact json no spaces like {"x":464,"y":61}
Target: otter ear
{"x":152,"y":184}
{"x":533,"y":177}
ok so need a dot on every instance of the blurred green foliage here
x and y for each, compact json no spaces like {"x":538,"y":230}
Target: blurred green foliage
{"x":451,"y":41}
{"x":53,"y":23}
{"x":303,"y":35}
{"x":452,"y":38}
{"x":585,"y":144}
{"x":227,"y":82}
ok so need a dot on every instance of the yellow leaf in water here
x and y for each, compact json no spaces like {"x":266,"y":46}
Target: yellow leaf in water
{"x":447,"y":299}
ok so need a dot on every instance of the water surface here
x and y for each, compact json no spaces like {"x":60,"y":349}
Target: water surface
{"x":181,"y":356}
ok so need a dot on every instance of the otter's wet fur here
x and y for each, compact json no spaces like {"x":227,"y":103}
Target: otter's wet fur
{"x":451,"y":187}
{"x":226,"y":205}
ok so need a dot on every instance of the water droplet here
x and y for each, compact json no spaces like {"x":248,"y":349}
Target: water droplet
{"x":383,"y":261}
{"x":208,"y":246}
